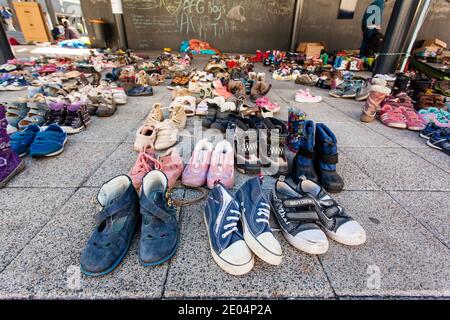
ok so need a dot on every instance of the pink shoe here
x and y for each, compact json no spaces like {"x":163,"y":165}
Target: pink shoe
{"x":413,"y":120}
{"x":222,"y":165}
{"x":195,"y":173}
{"x":392,"y":117}
{"x":431,"y":117}
{"x":264,"y":103}
{"x":221,"y":90}
{"x":305,"y":96}
{"x":171,"y":164}
{"x":145,"y":163}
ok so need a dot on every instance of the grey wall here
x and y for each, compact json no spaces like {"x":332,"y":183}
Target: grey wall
{"x":319,"y":23}
{"x":100,"y":9}
{"x":437,"y":23}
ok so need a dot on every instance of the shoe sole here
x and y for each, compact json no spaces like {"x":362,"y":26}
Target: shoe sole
{"x":348,"y":242}
{"x":247,"y":171}
{"x":119,"y":260}
{"x":304,"y":245}
{"x":262,"y":252}
{"x":433,"y":146}
{"x":16,"y":171}
{"x":226,"y":266}
{"x":70,"y":130}
{"x":424,"y":136}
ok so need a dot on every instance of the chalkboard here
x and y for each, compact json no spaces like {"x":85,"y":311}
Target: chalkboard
{"x":229,"y":25}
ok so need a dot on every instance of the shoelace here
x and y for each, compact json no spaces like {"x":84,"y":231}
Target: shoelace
{"x":232,"y":226}
{"x":142,"y":163}
{"x":263,"y":213}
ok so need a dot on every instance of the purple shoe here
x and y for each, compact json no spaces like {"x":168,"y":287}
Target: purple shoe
{"x":10,"y":162}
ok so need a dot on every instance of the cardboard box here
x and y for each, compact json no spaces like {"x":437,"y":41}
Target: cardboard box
{"x":311,"y":49}
{"x":434,"y":43}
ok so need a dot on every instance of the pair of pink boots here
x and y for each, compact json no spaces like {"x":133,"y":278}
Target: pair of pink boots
{"x":170,"y":163}
{"x":209,"y":165}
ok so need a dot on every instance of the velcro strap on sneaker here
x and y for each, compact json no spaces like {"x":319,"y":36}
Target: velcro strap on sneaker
{"x":302,"y":216}
{"x":306,"y":153}
{"x":329,"y":158}
{"x":298,"y":202}
{"x":332,"y":211}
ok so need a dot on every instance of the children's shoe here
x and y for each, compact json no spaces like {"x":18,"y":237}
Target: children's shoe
{"x":221,"y":168}
{"x":145,"y":163}
{"x":166,"y":135}
{"x":392,"y":117}
{"x":412,"y":119}
{"x":196,"y":171}
{"x":297,"y":218}
{"x":376,"y":95}
{"x":326,"y":158}
{"x":228,"y":248}
{"x":156,"y":115}
{"x":116,"y":224}
{"x":305,"y":96}
{"x":255,"y":210}
{"x":171,"y":164}
{"x":57,"y":113}
{"x":272,"y":148}
{"x":247,"y":147}
{"x":77,"y":117}
{"x":10,"y":162}
{"x":21,"y":141}
{"x":296,"y":121}
{"x":429,"y":130}
{"x":159,"y":231}
{"x":145,"y":135}
{"x":49,"y":142}
{"x":333,"y":219}
{"x":303,"y":163}
{"x":440,"y":140}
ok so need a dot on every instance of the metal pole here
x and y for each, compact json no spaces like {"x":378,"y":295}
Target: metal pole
{"x":398,"y":28}
{"x":295,"y":24}
{"x":419,"y":24}
{"x":6,"y":52}
{"x":117,"y":10}
{"x":51,"y":12}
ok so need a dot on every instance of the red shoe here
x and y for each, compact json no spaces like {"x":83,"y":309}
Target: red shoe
{"x":413,"y":120}
{"x":392,"y":117}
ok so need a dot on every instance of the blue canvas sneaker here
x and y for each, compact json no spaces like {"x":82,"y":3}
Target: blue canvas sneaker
{"x":297,"y":218}
{"x":255,"y":211}
{"x":49,"y":142}
{"x":159,"y":230}
{"x":116,"y":224}
{"x":429,"y":130}
{"x":21,"y":141}
{"x":222,"y":219}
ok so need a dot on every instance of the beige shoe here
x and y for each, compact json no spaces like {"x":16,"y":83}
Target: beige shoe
{"x":156,"y":115}
{"x":166,"y":135}
{"x":178,"y":116}
{"x":188,"y":102}
{"x":145,"y":136}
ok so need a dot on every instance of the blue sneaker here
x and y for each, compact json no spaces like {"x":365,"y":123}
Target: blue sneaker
{"x":138,"y":90}
{"x":159,"y":230}
{"x":116,"y":224}
{"x":255,"y":210}
{"x":49,"y":142}
{"x":21,"y":141}
{"x":429,"y":130}
{"x":222,"y":219}
{"x":441,"y":140}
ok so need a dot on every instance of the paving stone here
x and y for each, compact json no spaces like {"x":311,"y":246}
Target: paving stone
{"x":69,"y":169}
{"x":432,"y":209}
{"x":20,"y":222}
{"x":398,"y":169}
{"x":46,"y":266}
{"x":194,"y":274}
{"x":436,"y":157}
{"x":350,"y":107}
{"x":109,"y":129}
{"x":409,"y":260}
{"x":403,"y":137}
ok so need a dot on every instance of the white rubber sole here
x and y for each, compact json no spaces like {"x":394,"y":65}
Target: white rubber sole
{"x":424,"y":136}
{"x":307,"y":246}
{"x":224,"y":265}
{"x":258,"y":249}
{"x":356,"y":241}
{"x":306,"y":101}
{"x":433,"y":146}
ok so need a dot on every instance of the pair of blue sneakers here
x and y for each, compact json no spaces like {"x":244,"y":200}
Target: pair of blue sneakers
{"x":39,"y":143}
{"x":238,"y":226}
{"x":437,"y":137}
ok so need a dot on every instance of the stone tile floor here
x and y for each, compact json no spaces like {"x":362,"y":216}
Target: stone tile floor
{"x":396,"y":187}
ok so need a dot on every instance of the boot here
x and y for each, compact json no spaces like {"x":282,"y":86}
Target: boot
{"x":237,"y":88}
{"x":376,"y":96}
{"x":303,"y":163}
{"x":296,"y":121}
{"x":272,"y":144}
{"x":326,"y":158}
{"x":210,"y":118}
{"x":259,"y":90}
{"x":10,"y":162}
{"x":246,"y":147}
{"x":401,"y":84}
